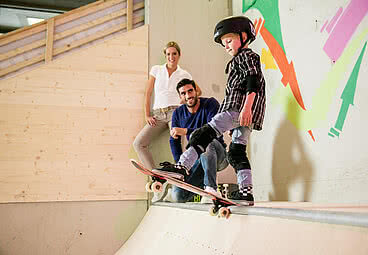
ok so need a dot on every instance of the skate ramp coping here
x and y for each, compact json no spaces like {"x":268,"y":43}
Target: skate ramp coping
{"x":189,"y":229}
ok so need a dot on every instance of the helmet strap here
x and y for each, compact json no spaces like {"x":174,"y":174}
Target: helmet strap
{"x":242,"y":42}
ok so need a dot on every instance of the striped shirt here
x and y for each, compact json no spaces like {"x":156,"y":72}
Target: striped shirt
{"x":245,"y":63}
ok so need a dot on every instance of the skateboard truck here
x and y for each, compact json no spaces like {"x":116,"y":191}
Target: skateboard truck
{"x":219,"y":209}
{"x":156,"y":185}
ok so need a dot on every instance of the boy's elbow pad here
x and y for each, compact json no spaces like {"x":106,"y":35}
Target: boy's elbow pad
{"x":251,"y":84}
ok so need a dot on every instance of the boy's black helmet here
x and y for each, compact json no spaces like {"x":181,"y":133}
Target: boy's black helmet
{"x":235,"y":24}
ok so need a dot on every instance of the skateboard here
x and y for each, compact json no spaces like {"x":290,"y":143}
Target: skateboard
{"x":220,"y":204}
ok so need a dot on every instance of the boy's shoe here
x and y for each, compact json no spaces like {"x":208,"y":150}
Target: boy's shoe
{"x":159,"y":196}
{"x":207,"y":200}
{"x":174,"y":170}
{"x":239,"y":196}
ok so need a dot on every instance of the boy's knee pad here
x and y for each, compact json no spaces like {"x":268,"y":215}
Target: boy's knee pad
{"x":201,"y":137}
{"x":237,"y":157}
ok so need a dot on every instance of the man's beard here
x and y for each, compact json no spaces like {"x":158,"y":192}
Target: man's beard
{"x":195,"y":101}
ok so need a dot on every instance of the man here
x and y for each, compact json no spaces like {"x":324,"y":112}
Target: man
{"x":194,"y":113}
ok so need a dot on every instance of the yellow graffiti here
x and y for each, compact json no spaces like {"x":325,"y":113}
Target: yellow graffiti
{"x":267,"y":59}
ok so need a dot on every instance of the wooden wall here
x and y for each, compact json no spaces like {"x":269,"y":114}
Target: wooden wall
{"x":66,"y":128}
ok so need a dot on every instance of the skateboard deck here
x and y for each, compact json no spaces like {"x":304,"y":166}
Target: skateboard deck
{"x":220,"y":204}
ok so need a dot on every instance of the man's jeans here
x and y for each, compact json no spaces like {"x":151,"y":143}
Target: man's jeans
{"x":222,"y":122}
{"x":204,"y":171}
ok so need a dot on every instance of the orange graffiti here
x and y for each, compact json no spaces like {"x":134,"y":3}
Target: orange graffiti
{"x":311,"y":134}
{"x":257,"y":24}
{"x":287,"y":70}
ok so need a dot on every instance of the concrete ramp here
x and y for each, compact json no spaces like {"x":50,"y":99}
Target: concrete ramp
{"x":189,"y":229}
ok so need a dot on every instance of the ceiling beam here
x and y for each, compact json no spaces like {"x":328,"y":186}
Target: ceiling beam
{"x":34,"y":6}
{"x":6,"y":29}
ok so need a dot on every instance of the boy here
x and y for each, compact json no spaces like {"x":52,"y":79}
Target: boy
{"x":241,"y":111}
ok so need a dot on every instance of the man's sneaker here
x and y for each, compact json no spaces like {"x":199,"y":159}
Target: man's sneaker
{"x":174,"y":170}
{"x":168,"y":197}
{"x":159,"y":196}
{"x":208,"y":200}
{"x":241,"y":197}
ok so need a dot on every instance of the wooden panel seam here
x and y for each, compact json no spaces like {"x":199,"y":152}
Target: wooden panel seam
{"x":49,"y":40}
{"x":129,"y":15}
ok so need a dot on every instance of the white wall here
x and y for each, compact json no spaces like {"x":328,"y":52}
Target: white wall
{"x":288,"y":164}
{"x":190,"y":23}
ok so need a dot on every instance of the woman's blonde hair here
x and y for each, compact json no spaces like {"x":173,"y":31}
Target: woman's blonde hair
{"x":172,"y":44}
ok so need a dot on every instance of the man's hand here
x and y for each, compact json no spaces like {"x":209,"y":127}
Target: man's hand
{"x":176,"y":132}
{"x":151,"y":121}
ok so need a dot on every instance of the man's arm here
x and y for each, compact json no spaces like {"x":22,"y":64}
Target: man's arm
{"x":175,"y":143}
{"x":212,"y":108}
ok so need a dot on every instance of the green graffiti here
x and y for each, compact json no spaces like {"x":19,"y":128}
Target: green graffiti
{"x":197,"y":198}
{"x":308,"y":120}
{"x":348,"y":94}
{"x":271,"y":14}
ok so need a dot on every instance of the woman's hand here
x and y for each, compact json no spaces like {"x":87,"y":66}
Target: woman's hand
{"x":151,"y":121}
{"x":177,"y":132}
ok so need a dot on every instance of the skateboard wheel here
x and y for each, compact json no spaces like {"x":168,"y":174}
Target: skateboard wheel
{"x":148,"y":187}
{"x":213,"y":211}
{"x":156,"y":186}
{"x":224,"y":212}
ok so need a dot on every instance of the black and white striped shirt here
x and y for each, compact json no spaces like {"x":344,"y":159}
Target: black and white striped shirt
{"x":245,"y":63}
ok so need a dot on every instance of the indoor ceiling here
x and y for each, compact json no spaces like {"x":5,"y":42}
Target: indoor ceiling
{"x":17,"y":14}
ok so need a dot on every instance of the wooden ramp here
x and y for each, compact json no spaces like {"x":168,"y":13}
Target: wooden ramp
{"x":267,"y":228}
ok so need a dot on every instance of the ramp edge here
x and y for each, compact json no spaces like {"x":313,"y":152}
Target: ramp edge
{"x":329,"y":217}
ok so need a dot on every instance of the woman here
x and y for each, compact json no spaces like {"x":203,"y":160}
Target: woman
{"x":162,"y":81}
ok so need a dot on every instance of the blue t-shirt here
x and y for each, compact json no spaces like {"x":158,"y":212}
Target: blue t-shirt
{"x":182,"y":118}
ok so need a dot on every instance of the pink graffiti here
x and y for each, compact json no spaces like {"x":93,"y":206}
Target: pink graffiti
{"x":345,"y":27}
{"x":324,"y":25}
{"x":334,"y":20}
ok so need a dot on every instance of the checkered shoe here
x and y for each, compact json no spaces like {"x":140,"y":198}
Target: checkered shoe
{"x":244,"y":194}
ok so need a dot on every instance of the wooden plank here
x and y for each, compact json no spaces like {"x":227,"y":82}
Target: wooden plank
{"x":95,"y":36}
{"x":69,"y":32}
{"x":60,"y":19}
{"x":85,"y":10}
{"x":22,"y":33}
{"x":67,"y":47}
{"x":96,"y":22}
{"x":129,"y":15}
{"x":90,"y":24}
{"x":49,"y":39}
{"x":23,"y":49}
{"x":22,"y":64}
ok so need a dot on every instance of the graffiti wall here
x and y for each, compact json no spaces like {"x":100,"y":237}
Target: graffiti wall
{"x":313,"y":146}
